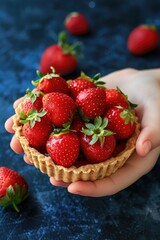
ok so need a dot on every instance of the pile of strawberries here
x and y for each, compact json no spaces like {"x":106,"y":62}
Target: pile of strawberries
{"x":75,"y":118}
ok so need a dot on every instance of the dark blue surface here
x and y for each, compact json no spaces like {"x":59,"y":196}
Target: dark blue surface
{"x":26,"y":29}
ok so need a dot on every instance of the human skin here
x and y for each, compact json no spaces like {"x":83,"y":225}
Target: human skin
{"x":143,"y":88}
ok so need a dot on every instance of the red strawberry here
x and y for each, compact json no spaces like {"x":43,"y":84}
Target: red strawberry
{"x":115,"y":97}
{"x":143,"y":39}
{"x":51,"y":83}
{"x":120,"y":146}
{"x":92,"y":102}
{"x":81,"y":160}
{"x":121,"y":121}
{"x":32,"y":100}
{"x":77,"y":125}
{"x":83,"y":82}
{"x":60,"y":108}
{"x":61,"y":56}
{"x":37,"y":129}
{"x":63,"y":148}
{"x":77,"y":24}
{"x":97,"y":143}
{"x":13,"y":188}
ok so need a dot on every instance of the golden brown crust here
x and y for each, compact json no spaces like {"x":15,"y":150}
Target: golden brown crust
{"x":89,"y":172}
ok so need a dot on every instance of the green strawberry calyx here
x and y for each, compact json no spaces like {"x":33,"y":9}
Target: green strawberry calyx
{"x":32,"y":95}
{"x":95,"y":79}
{"x":73,"y":14}
{"x":64,"y":129}
{"x":33,"y":117}
{"x":128,"y":115}
{"x":73,"y":49}
{"x":149,"y":26}
{"x":97,"y":130}
{"x":131,"y":105}
{"x":14,"y":196}
{"x":82,"y":116}
{"x":47,"y":76}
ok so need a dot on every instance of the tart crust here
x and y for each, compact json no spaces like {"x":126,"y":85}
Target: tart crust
{"x":88,"y":172}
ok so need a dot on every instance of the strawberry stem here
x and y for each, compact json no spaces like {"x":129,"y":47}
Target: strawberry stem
{"x":97,"y":130}
{"x":33,"y":117}
{"x":14,"y":196}
{"x":150,"y":26}
{"x":95,"y":79}
{"x":15,"y":206}
{"x":128,"y":115}
{"x":32,"y":95}
{"x":47,"y":76}
{"x":73,"y":49}
{"x":131,"y":105}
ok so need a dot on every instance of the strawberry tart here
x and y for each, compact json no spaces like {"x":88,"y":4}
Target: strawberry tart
{"x":77,"y":129}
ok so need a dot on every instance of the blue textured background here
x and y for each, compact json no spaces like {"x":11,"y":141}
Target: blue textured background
{"x":26,"y":29}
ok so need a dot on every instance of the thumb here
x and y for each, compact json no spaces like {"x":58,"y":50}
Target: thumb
{"x":149,"y":137}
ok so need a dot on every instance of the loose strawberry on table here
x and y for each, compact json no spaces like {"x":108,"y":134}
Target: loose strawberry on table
{"x":63,"y":148}
{"x":13,"y":188}
{"x":60,"y":108}
{"x":51,"y":82}
{"x":143,"y":39}
{"x":62,"y":56}
{"x":77,"y":24}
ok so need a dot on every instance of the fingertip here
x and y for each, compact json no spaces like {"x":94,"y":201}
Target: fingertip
{"x":15,"y":145}
{"x":27,"y":160}
{"x":9,"y":125}
{"x":16,"y":103}
{"x":143,"y":148}
{"x":57,"y":183}
{"x":72,"y":188}
{"x":82,"y":188}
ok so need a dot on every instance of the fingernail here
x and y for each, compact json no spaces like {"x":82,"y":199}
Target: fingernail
{"x":147,"y":146}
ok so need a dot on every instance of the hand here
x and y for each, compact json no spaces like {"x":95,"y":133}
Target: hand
{"x":142,"y":87}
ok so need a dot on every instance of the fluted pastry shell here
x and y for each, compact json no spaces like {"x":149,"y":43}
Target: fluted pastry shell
{"x":88,"y":172}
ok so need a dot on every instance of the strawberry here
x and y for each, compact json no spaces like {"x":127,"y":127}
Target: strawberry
{"x":121,"y":121}
{"x":81,"y":160}
{"x":120,"y":146}
{"x":97,"y":142}
{"x":51,"y":82}
{"x":83,"y":82}
{"x":13,"y":188}
{"x":37,"y":129}
{"x":60,"y":108}
{"x":32,"y":100}
{"x":62,"y":56}
{"x":77,"y":24}
{"x":143,"y":39}
{"x":77,"y":125}
{"x":92,"y":102}
{"x":115,"y":97}
{"x":63,"y":148}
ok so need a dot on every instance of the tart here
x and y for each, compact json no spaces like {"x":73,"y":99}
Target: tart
{"x":85,"y":171}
